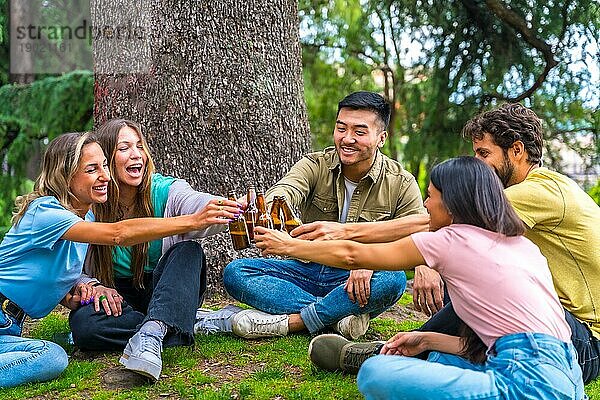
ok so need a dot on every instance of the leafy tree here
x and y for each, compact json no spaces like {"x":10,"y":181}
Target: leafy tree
{"x":471,"y":55}
{"x":32,"y":114}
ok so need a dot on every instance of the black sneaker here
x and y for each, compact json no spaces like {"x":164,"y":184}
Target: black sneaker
{"x":336,"y":353}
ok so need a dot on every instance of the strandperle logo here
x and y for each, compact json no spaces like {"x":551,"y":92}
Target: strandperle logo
{"x":85,"y":31}
{"x":107,"y":36}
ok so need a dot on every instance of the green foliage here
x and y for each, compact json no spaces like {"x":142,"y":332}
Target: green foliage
{"x":32,"y":114}
{"x":218,"y":367}
{"x":594,"y":192}
{"x":441,"y":63}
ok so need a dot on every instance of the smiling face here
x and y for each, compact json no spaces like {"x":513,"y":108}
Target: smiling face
{"x":90,"y":183}
{"x":357,"y":136}
{"x":130,"y":159}
{"x":438,"y":213}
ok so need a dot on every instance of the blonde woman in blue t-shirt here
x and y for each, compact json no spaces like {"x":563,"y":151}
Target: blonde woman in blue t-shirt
{"x":154,"y":288}
{"x":42,"y":255}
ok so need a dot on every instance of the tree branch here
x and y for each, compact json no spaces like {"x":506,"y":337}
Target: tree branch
{"x":515,"y":21}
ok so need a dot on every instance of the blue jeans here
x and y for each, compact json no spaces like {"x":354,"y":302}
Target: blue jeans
{"x":587,"y":346}
{"x":314,"y":290}
{"x":25,"y":360}
{"x":520,"y":366}
{"x":171,"y":294}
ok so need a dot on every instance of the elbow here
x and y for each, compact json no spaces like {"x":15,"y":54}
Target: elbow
{"x":120,"y":238}
{"x":351,"y":257}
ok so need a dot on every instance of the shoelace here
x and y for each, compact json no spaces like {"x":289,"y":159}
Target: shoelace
{"x":151,"y":343}
{"x":354,"y":357}
{"x":206,"y":329}
{"x":265,"y":325}
{"x":219,"y":321}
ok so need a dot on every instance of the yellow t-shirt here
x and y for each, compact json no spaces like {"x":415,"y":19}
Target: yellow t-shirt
{"x":565,"y":224}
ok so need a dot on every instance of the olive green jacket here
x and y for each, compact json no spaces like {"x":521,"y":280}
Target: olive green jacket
{"x":315,"y":186}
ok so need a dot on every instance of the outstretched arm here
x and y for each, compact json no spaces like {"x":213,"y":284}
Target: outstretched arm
{"x":139,"y":230}
{"x":397,"y":255}
{"x":413,"y":343}
{"x":364,"y":232}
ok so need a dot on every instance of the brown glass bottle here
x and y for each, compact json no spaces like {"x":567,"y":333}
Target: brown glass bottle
{"x":237,"y":229}
{"x":290,"y":220}
{"x":251,"y":212}
{"x":276,"y":214}
{"x":263,"y":219}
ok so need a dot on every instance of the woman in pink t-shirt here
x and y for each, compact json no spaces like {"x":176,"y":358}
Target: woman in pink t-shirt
{"x":500,"y":286}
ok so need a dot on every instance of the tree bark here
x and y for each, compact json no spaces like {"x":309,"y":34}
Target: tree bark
{"x":220,"y":100}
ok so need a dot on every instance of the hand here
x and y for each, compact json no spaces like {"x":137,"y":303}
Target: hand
{"x":80,"y":294}
{"x":320,"y":230}
{"x":405,"y":344}
{"x":428,"y":290}
{"x":217,"y":211}
{"x":243,"y":202}
{"x":358,"y":286}
{"x":270,"y":241}
{"x":112,"y":304}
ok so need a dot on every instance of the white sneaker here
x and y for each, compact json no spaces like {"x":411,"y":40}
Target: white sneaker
{"x":352,"y":326}
{"x":209,"y":321}
{"x":252,"y":324}
{"x":142,"y":355}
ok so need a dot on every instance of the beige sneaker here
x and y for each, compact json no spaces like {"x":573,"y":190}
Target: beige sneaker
{"x":352,"y":326}
{"x":251,"y":324}
{"x":336,"y":353}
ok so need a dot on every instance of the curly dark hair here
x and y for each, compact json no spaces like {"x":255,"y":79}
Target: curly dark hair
{"x":507,"y":124}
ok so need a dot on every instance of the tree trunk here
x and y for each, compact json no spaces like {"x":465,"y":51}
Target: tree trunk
{"x":218,"y":93}
{"x":22,"y":64}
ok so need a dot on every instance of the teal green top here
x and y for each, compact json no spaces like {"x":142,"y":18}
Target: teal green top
{"x":159,"y":191}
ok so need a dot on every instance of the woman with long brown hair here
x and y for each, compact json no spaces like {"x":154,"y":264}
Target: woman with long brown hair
{"x":42,"y":255}
{"x":157,"y":285}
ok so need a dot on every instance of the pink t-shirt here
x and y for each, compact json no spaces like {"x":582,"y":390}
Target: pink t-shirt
{"x":498,"y":285}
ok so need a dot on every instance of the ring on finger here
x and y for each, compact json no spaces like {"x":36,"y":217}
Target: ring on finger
{"x":220,"y":208}
{"x":220,"y":202}
{"x":102,"y":298}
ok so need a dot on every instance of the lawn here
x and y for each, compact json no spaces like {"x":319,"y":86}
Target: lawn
{"x":218,"y":367}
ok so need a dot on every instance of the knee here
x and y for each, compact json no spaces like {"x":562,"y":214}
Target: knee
{"x":372,"y":375}
{"x":52,"y":360}
{"x":391,"y":284}
{"x":59,"y":359}
{"x":79,"y":321}
{"x":188,"y":250}
{"x":232,"y":276}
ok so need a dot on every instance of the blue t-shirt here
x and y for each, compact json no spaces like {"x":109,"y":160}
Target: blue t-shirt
{"x":37,"y":267}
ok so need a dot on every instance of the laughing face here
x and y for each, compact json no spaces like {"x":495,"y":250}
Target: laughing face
{"x":90,"y":182}
{"x":357,"y":136}
{"x":130,"y":158}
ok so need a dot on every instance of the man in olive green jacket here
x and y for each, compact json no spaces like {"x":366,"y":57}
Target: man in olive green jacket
{"x":351,"y":182}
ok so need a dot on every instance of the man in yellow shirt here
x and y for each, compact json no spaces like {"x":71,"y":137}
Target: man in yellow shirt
{"x":560,"y":217}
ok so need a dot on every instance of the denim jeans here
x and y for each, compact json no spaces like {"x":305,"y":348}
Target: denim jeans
{"x":25,"y":360}
{"x":520,"y":366}
{"x":315,"y":291}
{"x":171,"y":294}
{"x":587,"y":347}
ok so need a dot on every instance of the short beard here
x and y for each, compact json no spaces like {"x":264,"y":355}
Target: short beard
{"x":506,"y":170}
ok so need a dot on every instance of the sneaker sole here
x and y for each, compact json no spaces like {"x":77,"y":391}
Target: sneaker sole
{"x":140,"y":366}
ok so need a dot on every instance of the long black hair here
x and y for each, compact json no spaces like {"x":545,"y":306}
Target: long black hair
{"x":474,"y":195}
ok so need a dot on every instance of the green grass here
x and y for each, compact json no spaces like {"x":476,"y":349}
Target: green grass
{"x":218,"y":367}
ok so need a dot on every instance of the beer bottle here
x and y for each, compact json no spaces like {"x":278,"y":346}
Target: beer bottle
{"x":237,"y":229}
{"x":276,"y":214}
{"x":251,"y":212}
{"x":263,"y":219}
{"x":290,"y":220}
